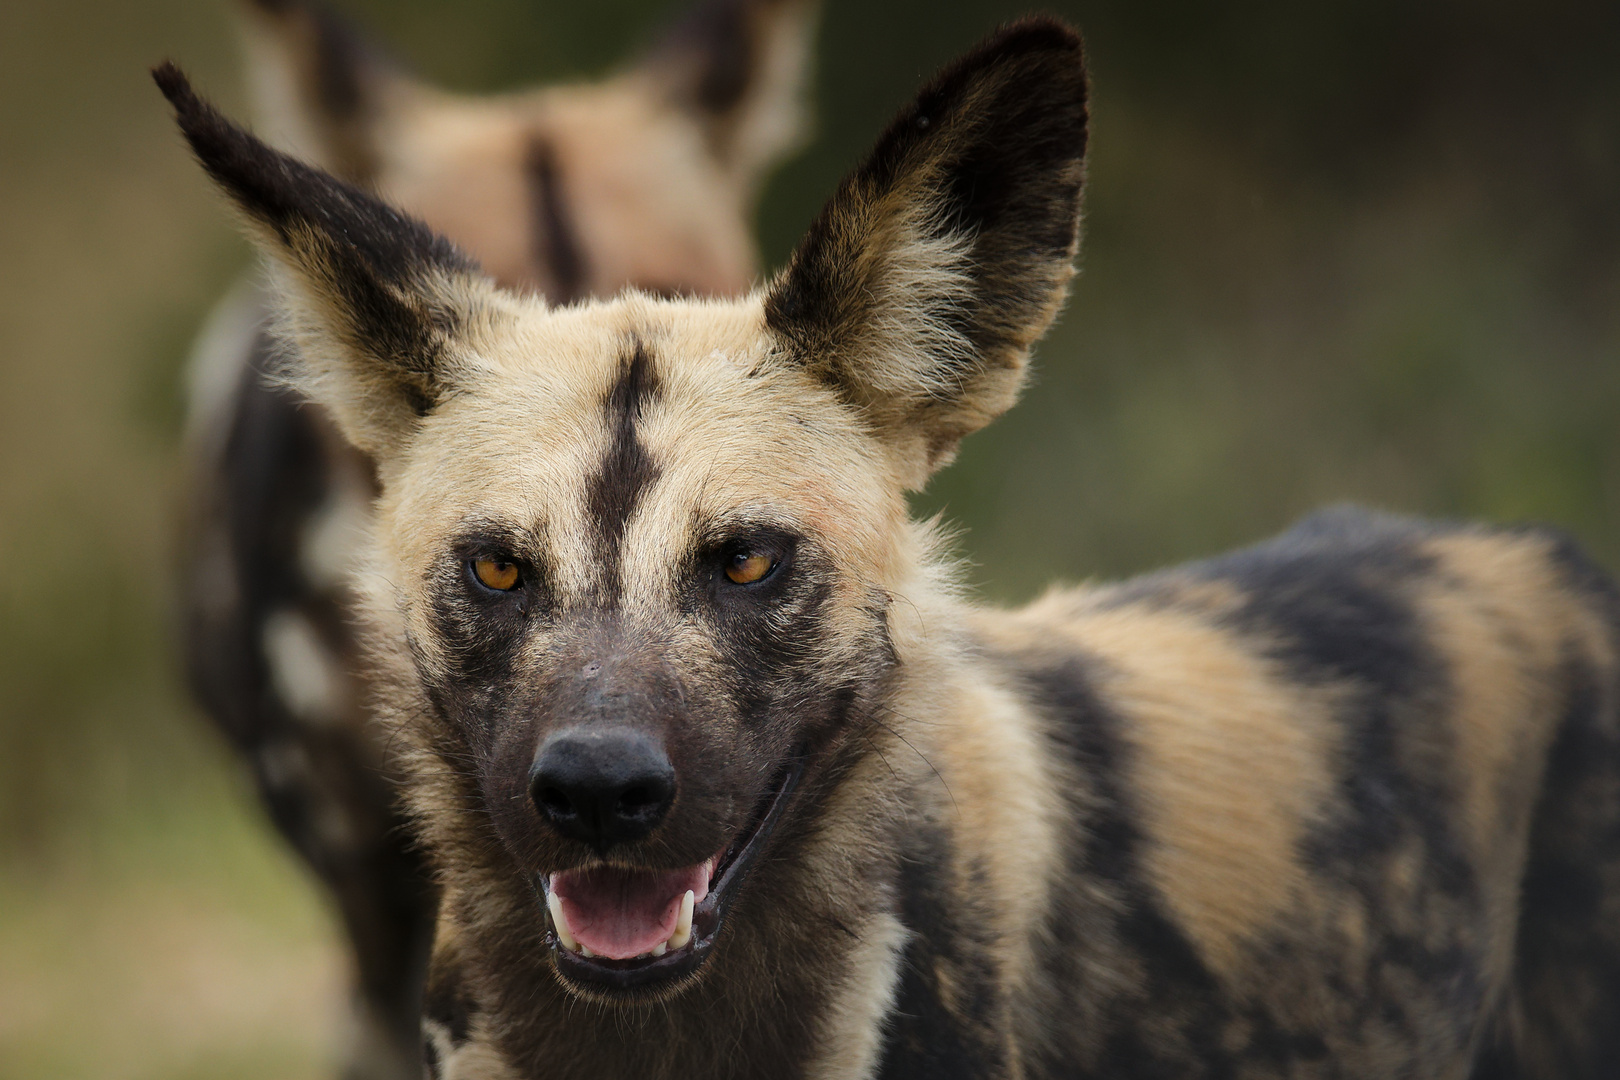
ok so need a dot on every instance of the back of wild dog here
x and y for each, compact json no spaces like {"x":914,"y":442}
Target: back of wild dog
{"x":1345,"y":804}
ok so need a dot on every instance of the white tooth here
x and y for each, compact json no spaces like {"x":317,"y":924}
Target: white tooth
{"x":660,"y":949}
{"x":559,"y":923}
{"x":683,"y":925}
{"x":583,"y":951}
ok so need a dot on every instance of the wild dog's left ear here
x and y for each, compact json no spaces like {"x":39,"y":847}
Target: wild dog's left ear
{"x":381,"y":311}
{"x":741,"y":69}
{"x":920,"y":290}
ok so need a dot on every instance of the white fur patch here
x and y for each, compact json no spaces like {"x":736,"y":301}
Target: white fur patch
{"x":475,"y":1059}
{"x":215,"y":368}
{"x":302,"y":671}
{"x":333,"y":538}
{"x":853,"y":1030}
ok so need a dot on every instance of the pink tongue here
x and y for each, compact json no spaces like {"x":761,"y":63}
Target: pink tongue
{"x":621,"y":914}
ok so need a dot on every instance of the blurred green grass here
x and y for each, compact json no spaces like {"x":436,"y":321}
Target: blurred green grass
{"x":1362,"y":251}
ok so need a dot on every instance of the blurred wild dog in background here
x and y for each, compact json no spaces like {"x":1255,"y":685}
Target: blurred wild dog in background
{"x":646,"y":180}
{"x":724,"y":778}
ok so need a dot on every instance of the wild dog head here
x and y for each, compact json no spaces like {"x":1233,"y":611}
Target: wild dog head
{"x":636,"y":560}
{"x":646,"y":178}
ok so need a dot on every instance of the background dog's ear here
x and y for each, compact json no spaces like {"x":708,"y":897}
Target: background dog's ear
{"x":741,"y":69}
{"x":376,"y":305}
{"x":319,"y":87}
{"x":920,"y":290}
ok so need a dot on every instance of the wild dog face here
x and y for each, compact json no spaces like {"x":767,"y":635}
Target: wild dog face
{"x":646,"y":178}
{"x":635,"y":560}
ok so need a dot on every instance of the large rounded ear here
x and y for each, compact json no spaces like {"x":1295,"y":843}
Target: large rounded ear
{"x":741,"y":70}
{"x":381,"y":313}
{"x":320,"y":88}
{"x":920,"y":290}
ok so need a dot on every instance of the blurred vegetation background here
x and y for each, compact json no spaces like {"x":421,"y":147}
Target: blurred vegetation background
{"x":1353,"y":249}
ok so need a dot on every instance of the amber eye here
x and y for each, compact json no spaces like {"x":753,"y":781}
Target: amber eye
{"x":747,"y":567}
{"x":494,"y":573}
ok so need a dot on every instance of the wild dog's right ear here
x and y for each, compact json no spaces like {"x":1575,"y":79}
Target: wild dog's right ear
{"x":378,"y":308}
{"x":920,"y":290}
{"x":319,"y":87}
{"x":741,"y":69}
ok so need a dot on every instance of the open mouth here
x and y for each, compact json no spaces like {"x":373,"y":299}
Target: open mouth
{"x":622,"y":930}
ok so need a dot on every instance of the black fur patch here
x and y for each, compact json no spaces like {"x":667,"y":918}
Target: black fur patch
{"x":1167,"y":975}
{"x":482,"y":631}
{"x":447,"y":1002}
{"x":373,"y":259}
{"x":342,"y":57}
{"x":627,"y":470}
{"x":949,"y":1020}
{"x":770,"y":632}
{"x":1568,"y":949}
{"x":556,"y":241}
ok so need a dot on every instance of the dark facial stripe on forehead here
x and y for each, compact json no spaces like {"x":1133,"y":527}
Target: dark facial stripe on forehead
{"x":627,"y":469}
{"x":556,"y":244}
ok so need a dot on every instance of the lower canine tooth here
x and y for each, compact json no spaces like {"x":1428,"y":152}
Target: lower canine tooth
{"x":559,"y":922}
{"x":583,"y":951}
{"x":660,"y":949}
{"x":683,"y":925}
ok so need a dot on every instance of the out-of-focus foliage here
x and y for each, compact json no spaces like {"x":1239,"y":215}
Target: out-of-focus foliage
{"x":1355,"y":249}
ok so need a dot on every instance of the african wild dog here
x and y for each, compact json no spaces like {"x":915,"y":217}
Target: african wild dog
{"x":645,"y":179}
{"x":724,"y":778}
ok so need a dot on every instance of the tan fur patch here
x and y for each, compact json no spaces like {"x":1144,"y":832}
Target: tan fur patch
{"x":1231,"y":763}
{"x":1504,"y":624}
{"x":1496,"y":617}
{"x":1002,"y":802}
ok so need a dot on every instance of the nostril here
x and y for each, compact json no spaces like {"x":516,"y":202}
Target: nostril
{"x":554,"y":802}
{"x":641,"y":800}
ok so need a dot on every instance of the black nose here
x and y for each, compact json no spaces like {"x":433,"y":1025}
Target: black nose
{"x":602,"y":786}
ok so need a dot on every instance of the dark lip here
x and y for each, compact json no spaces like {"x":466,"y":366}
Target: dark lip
{"x":627,"y":977}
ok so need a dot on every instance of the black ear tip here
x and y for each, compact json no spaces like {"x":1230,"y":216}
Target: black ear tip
{"x":1044,"y":31}
{"x":197,"y":118}
{"x":1035,"y":34}
{"x":228,"y":153}
{"x":189,"y":107}
{"x":174,"y":84}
